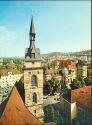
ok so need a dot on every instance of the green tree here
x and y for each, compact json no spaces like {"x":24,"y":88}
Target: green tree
{"x":87,"y":81}
{"x":52,"y":115}
{"x":11,"y":66}
{"x":89,"y":69}
{"x":6,"y":61}
{"x":2,"y":67}
{"x":64,"y":87}
{"x":17,"y":61}
{"x":54,"y":85}
{"x":19,"y":67}
{"x":81,"y":81}
{"x":77,"y":83}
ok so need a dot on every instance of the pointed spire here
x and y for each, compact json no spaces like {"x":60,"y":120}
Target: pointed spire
{"x":32,"y":29}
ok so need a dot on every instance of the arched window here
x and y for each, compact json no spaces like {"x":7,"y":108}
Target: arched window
{"x":35,"y":97}
{"x":34,"y":80}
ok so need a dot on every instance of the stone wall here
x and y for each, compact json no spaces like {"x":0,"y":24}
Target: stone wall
{"x":35,"y":108}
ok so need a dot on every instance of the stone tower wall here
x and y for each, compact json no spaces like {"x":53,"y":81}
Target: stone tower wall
{"x":30,"y":70}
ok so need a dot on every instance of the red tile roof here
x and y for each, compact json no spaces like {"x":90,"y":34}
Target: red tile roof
{"x":5,"y":72}
{"x":81,"y":95}
{"x":67,"y":63}
{"x":70,"y":64}
{"x":13,"y":110}
{"x":50,"y":71}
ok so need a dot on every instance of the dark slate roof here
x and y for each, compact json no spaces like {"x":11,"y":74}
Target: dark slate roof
{"x":32,"y":29}
{"x":32,"y":49}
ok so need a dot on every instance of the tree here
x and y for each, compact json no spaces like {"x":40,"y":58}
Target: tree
{"x":6,"y":61}
{"x":64,"y":87}
{"x":19,"y":67}
{"x":52,"y":115}
{"x":11,"y":66}
{"x":54,"y":85}
{"x":2,"y":67}
{"x":89,"y":69}
{"x":75,"y":84}
{"x":17,"y":61}
{"x":87,"y":81}
{"x":82,"y":81}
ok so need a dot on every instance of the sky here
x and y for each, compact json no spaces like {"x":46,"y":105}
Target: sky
{"x":61,"y":26}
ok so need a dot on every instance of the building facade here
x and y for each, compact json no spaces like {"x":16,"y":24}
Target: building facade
{"x":33,"y":77}
{"x":81,"y":69}
{"x":76,"y":105}
{"x":9,"y":77}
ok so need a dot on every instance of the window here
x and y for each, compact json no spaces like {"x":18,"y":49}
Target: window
{"x":34,"y":80}
{"x":29,"y":72}
{"x":35,"y":97}
{"x":33,"y":62}
{"x":34,"y":111}
{"x":32,"y":55}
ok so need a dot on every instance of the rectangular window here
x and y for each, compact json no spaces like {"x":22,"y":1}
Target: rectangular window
{"x":33,"y":55}
{"x":34,"y":111}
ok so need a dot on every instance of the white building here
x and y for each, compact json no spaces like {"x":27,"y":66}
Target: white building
{"x":9,"y":77}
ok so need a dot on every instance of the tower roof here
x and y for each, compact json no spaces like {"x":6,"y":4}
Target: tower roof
{"x":32,"y":28}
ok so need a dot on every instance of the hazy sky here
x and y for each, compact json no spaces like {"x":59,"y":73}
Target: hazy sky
{"x":60,"y":26}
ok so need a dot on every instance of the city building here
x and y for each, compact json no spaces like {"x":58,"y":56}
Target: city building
{"x":9,"y":77}
{"x":81,"y":67}
{"x":76,"y":104}
{"x":57,"y":68}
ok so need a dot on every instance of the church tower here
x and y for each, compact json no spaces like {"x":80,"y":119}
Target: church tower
{"x":33,"y":77}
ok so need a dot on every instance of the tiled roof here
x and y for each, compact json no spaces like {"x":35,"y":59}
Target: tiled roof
{"x":50,"y":71}
{"x":13,"y":110}
{"x":81,"y":95}
{"x":67,"y":63}
{"x":5,"y":72}
{"x":70,"y":64}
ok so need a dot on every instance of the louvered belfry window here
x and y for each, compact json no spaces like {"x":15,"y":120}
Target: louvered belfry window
{"x":32,"y":55}
{"x":34,"y":80}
